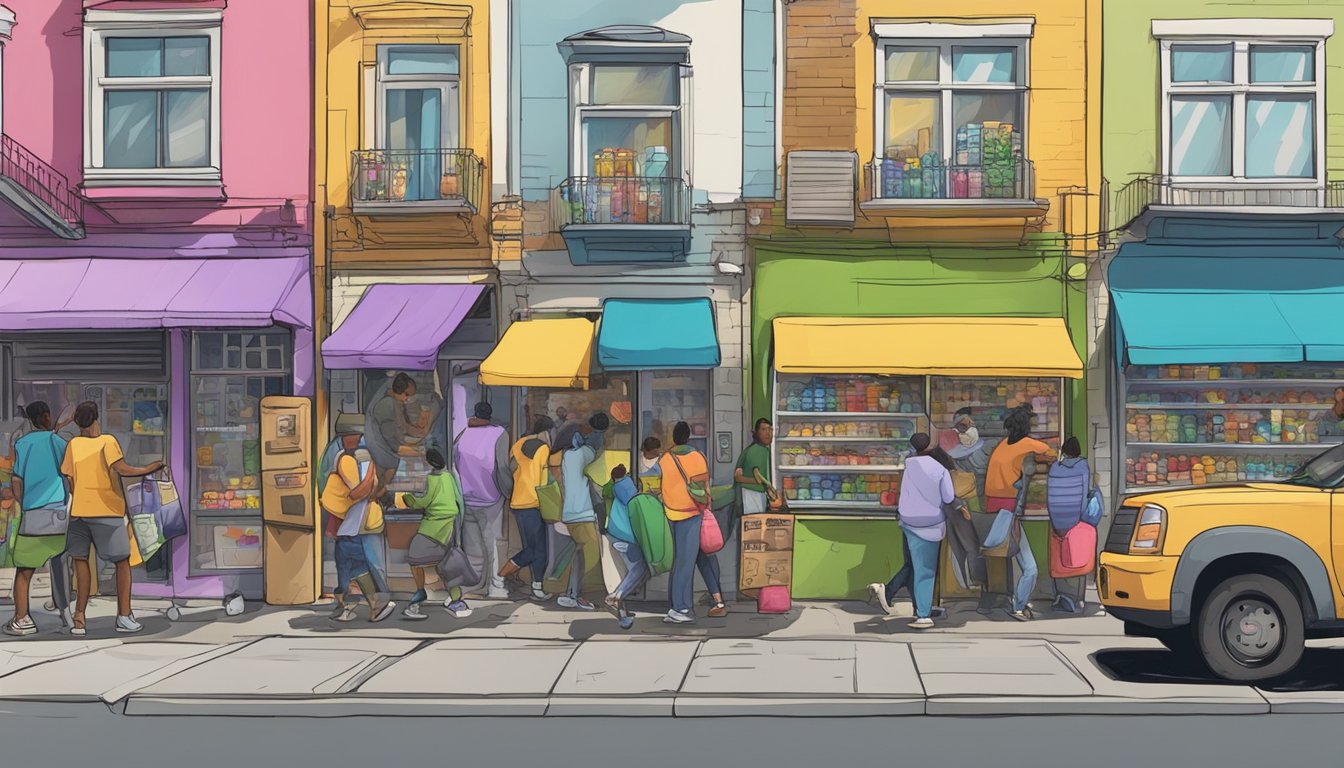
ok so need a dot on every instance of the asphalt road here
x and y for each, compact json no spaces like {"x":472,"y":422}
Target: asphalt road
{"x":58,"y":735}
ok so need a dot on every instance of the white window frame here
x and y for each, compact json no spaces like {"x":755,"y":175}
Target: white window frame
{"x":1242,"y":35}
{"x":580,"y":96}
{"x":945,"y":36}
{"x":101,"y":25}
{"x":449,"y":86}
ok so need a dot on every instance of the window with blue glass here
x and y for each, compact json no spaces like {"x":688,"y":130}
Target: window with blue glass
{"x":417,"y":154}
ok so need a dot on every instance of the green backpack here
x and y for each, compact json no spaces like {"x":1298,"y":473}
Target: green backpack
{"x":648,"y":522}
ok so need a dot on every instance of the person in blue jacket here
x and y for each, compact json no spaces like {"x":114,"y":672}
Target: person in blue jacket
{"x":622,"y":536}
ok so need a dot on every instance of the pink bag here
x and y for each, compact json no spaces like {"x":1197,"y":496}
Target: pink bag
{"x":1078,"y":547}
{"x":711,"y":536}
{"x":773,"y":599}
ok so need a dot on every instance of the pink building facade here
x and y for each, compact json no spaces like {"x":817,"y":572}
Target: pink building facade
{"x":155,"y":245}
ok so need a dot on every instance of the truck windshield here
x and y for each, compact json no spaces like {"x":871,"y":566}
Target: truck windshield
{"x":1324,"y":471}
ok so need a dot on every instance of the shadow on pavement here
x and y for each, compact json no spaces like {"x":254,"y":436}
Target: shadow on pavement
{"x":741,"y":622}
{"x":439,"y":623}
{"x":1322,"y":669}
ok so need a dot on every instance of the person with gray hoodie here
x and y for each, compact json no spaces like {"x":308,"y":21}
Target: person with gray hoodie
{"x":1067,"y":487}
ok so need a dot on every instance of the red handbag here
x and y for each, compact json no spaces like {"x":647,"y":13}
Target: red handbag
{"x":711,"y":536}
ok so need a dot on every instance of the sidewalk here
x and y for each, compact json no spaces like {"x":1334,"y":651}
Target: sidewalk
{"x":520,"y":659}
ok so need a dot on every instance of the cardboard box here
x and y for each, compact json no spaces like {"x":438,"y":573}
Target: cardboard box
{"x":767,"y":533}
{"x":766,"y":569}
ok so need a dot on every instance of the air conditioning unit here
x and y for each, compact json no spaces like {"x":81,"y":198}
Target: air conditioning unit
{"x":820,"y":187}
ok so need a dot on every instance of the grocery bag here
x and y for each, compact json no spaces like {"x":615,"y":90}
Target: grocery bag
{"x":168,"y":510}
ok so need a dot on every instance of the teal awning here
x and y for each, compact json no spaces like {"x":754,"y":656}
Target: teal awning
{"x":641,"y":334}
{"x":1218,"y":304}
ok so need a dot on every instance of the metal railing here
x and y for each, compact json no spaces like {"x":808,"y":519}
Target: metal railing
{"x":1142,"y":191}
{"x":41,"y":181}
{"x":912,"y":180}
{"x":622,"y":200}
{"x":447,"y":177}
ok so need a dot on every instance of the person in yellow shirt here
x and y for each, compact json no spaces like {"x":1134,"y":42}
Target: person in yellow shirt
{"x":95,"y":465}
{"x":351,"y":496}
{"x":685,"y":494}
{"x":530,"y":455}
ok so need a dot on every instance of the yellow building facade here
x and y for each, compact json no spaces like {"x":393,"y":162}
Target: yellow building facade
{"x":402,"y":252}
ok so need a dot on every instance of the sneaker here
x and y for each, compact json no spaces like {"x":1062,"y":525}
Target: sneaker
{"x":877,"y":595}
{"x":337,"y":611}
{"x":497,"y":594}
{"x":718,"y":611}
{"x":677,"y":617}
{"x":128,"y":625}
{"x":384,"y":612}
{"x":413,"y":613}
{"x":613,"y":602}
{"x":924,"y":623}
{"x":567,"y":601}
{"x":1019,"y":615}
{"x":540,"y":596}
{"x":584,"y":604}
{"x":626,"y":621}
{"x":20,"y":627}
{"x":348,"y":614}
{"x":459,"y":609}
{"x":938,"y":613}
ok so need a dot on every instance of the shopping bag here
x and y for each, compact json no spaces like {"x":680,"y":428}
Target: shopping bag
{"x":455,"y":568}
{"x":1003,"y":537}
{"x":648,"y":522}
{"x":167,"y":506}
{"x":711,"y":535}
{"x":550,"y":502}
{"x":1095,"y":509}
{"x":145,"y":529}
{"x":10,"y":529}
{"x":613,"y":567}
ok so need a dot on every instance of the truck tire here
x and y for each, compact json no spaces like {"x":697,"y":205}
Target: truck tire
{"x":1251,"y":629}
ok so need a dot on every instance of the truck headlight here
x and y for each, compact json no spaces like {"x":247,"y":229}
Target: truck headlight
{"x":1150,"y":532}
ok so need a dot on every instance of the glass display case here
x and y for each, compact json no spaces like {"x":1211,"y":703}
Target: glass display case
{"x":1195,"y":424}
{"x":841,"y":441}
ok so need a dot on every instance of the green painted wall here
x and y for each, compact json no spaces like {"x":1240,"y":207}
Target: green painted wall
{"x":1131,"y":78}
{"x":830,"y":278}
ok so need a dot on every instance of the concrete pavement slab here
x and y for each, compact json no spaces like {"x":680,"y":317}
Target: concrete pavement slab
{"x":475,"y":667}
{"x":626,"y":669}
{"x":106,"y":674}
{"x":338,"y":706}
{"x":996,"y":668}
{"x":795,"y":706}
{"x":16,"y":655}
{"x":803,"y":667}
{"x":886,"y":669}
{"x":284,"y":666}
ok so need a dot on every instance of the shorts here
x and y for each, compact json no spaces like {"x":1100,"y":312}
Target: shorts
{"x":351,"y":562}
{"x":36,"y":551}
{"x":108,"y":535}
{"x":425,"y":551}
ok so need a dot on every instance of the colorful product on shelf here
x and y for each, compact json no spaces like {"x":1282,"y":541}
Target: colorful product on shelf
{"x":990,"y":401}
{"x":876,"y":489}
{"x":1162,"y":469}
{"x":1233,"y":372}
{"x":860,"y":394}
{"x":895,"y":430}
{"x":1236,"y":395}
{"x":831,"y":455}
{"x":1264,"y":426}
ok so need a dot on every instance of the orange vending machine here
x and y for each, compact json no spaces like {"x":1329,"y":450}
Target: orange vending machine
{"x":289,"y":522}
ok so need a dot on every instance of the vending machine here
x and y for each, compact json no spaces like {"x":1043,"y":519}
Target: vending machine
{"x":288,"y":519}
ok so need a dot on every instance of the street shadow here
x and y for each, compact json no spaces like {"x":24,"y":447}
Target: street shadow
{"x":742,"y":622}
{"x":960,"y":614}
{"x":439,"y":624}
{"x":157,"y":625}
{"x":1322,"y":669}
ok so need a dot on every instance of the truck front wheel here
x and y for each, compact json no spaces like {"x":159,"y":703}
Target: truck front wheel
{"x":1251,"y":629}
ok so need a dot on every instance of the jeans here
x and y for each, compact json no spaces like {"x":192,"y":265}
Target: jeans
{"x":483,"y":540}
{"x":1026,"y":582}
{"x":636,"y":568}
{"x":907,"y":572}
{"x":925,"y":562}
{"x":686,"y":557}
{"x":373,"y":555}
{"x":533,"y":531}
{"x":587,"y":564}
{"x":351,"y":562}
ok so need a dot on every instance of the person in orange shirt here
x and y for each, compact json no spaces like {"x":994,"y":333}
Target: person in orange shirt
{"x":685,"y":492}
{"x":1002,"y":493}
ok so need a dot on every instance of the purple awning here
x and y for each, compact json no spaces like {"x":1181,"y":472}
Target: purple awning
{"x":399,"y":326}
{"x":154,"y":293}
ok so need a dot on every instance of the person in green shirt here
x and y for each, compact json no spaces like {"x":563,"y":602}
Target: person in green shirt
{"x":442,"y":504}
{"x":754,"y":466}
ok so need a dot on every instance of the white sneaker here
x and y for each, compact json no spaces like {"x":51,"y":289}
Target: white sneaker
{"x":677,"y":617}
{"x":925,"y":623}
{"x":128,"y":625}
{"x":541,"y":595}
{"x":458,"y":609}
{"x":567,"y":601}
{"x":877,"y":595}
{"x":413,"y":613}
{"x":498,"y":595}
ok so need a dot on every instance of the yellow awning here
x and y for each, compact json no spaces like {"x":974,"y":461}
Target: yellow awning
{"x":542,"y":353}
{"x":926,"y":346}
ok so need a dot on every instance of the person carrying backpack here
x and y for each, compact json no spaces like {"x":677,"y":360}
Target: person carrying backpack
{"x":622,"y":535}
{"x":351,"y":496}
{"x":1073,"y":543}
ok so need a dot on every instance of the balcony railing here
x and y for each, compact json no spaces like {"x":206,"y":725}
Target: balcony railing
{"x":42,"y":182}
{"x":913,"y":180}
{"x":1143,"y":191}
{"x":452,"y":179}
{"x":635,"y":200}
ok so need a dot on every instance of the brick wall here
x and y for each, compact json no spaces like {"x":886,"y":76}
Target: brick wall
{"x":820,"y":84}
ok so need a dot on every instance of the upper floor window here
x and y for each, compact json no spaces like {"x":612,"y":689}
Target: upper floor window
{"x":951,"y":111}
{"x":1241,"y":99}
{"x":418,"y":99}
{"x":153,"y":96}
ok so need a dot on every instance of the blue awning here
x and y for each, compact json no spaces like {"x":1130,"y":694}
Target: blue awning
{"x":642,"y":334}
{"x":1238,"y":303}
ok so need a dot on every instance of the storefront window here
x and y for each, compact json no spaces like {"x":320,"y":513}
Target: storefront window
{"x":666,"y":397}
{"x":231,"y":373}
{"x":609,"y":394}
{"x":1197,"y":424}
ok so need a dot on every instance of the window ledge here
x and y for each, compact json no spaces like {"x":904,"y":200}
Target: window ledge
{"x":955,"y":207}
{"x":155,"y":189}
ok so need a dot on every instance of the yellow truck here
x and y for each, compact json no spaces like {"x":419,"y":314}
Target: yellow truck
{"x":1239,"y":576}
